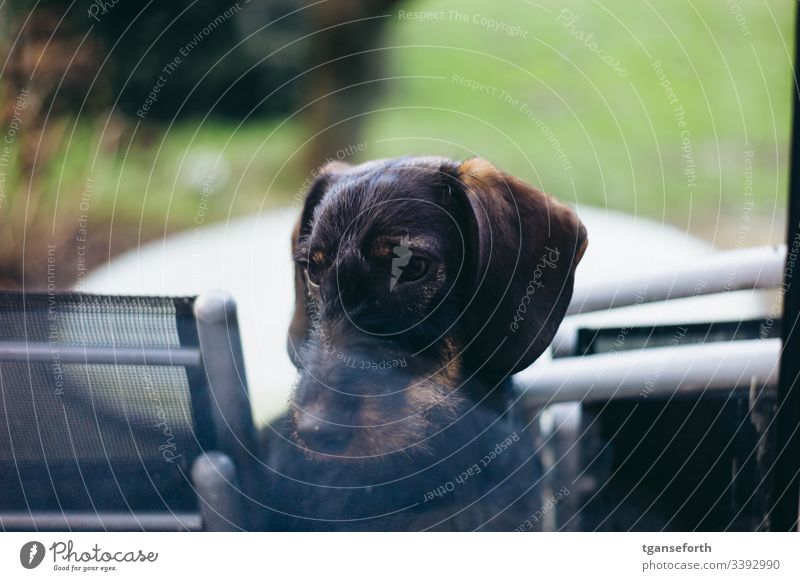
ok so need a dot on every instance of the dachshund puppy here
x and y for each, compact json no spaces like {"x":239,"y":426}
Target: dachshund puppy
{"x":422,"y":284}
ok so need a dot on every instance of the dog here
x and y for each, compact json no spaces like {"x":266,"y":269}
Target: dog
{"x":422,"y":284}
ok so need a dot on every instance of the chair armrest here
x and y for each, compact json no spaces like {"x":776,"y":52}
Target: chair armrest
{"x":219,"y":496}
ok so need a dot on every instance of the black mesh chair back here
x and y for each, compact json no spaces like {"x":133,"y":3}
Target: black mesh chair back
{"x":122,"y":413}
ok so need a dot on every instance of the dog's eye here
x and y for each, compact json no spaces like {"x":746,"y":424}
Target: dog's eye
{"x":416,"y":269}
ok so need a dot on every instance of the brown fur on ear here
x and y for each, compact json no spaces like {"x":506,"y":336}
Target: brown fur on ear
{"x":300,"y":324}
{"x":527,"y":245}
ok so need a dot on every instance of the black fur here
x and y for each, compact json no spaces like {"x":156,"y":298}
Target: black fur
{"x":409,"y":274}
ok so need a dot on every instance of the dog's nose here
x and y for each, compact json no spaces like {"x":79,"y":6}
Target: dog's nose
{"x":323,"y":436}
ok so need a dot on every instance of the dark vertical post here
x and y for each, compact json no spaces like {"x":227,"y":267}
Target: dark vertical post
{"x":221,"y":348}
{"x":783,"y":516}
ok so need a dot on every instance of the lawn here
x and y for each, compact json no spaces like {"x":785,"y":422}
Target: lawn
{"x":672,"y":110}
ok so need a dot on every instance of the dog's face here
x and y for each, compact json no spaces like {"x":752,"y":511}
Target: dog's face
{"x":414,"y":276}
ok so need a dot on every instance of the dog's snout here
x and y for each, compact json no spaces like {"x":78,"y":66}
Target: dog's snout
{"x":324,"y":417}
{"x":321,"y":435}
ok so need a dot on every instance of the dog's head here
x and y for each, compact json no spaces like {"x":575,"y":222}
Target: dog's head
{"x":414,"y":277}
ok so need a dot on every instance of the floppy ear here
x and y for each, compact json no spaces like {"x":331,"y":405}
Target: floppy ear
{"x":526,"y":246}
{"x":301,"y":324}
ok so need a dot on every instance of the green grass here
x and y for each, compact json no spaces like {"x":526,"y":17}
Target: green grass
{"x":619,"y":140}
{"x":619,"y":135}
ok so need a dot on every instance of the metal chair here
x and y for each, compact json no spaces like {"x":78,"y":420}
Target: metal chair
{"x":123,"y":413}
{"x":665,"y":426}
